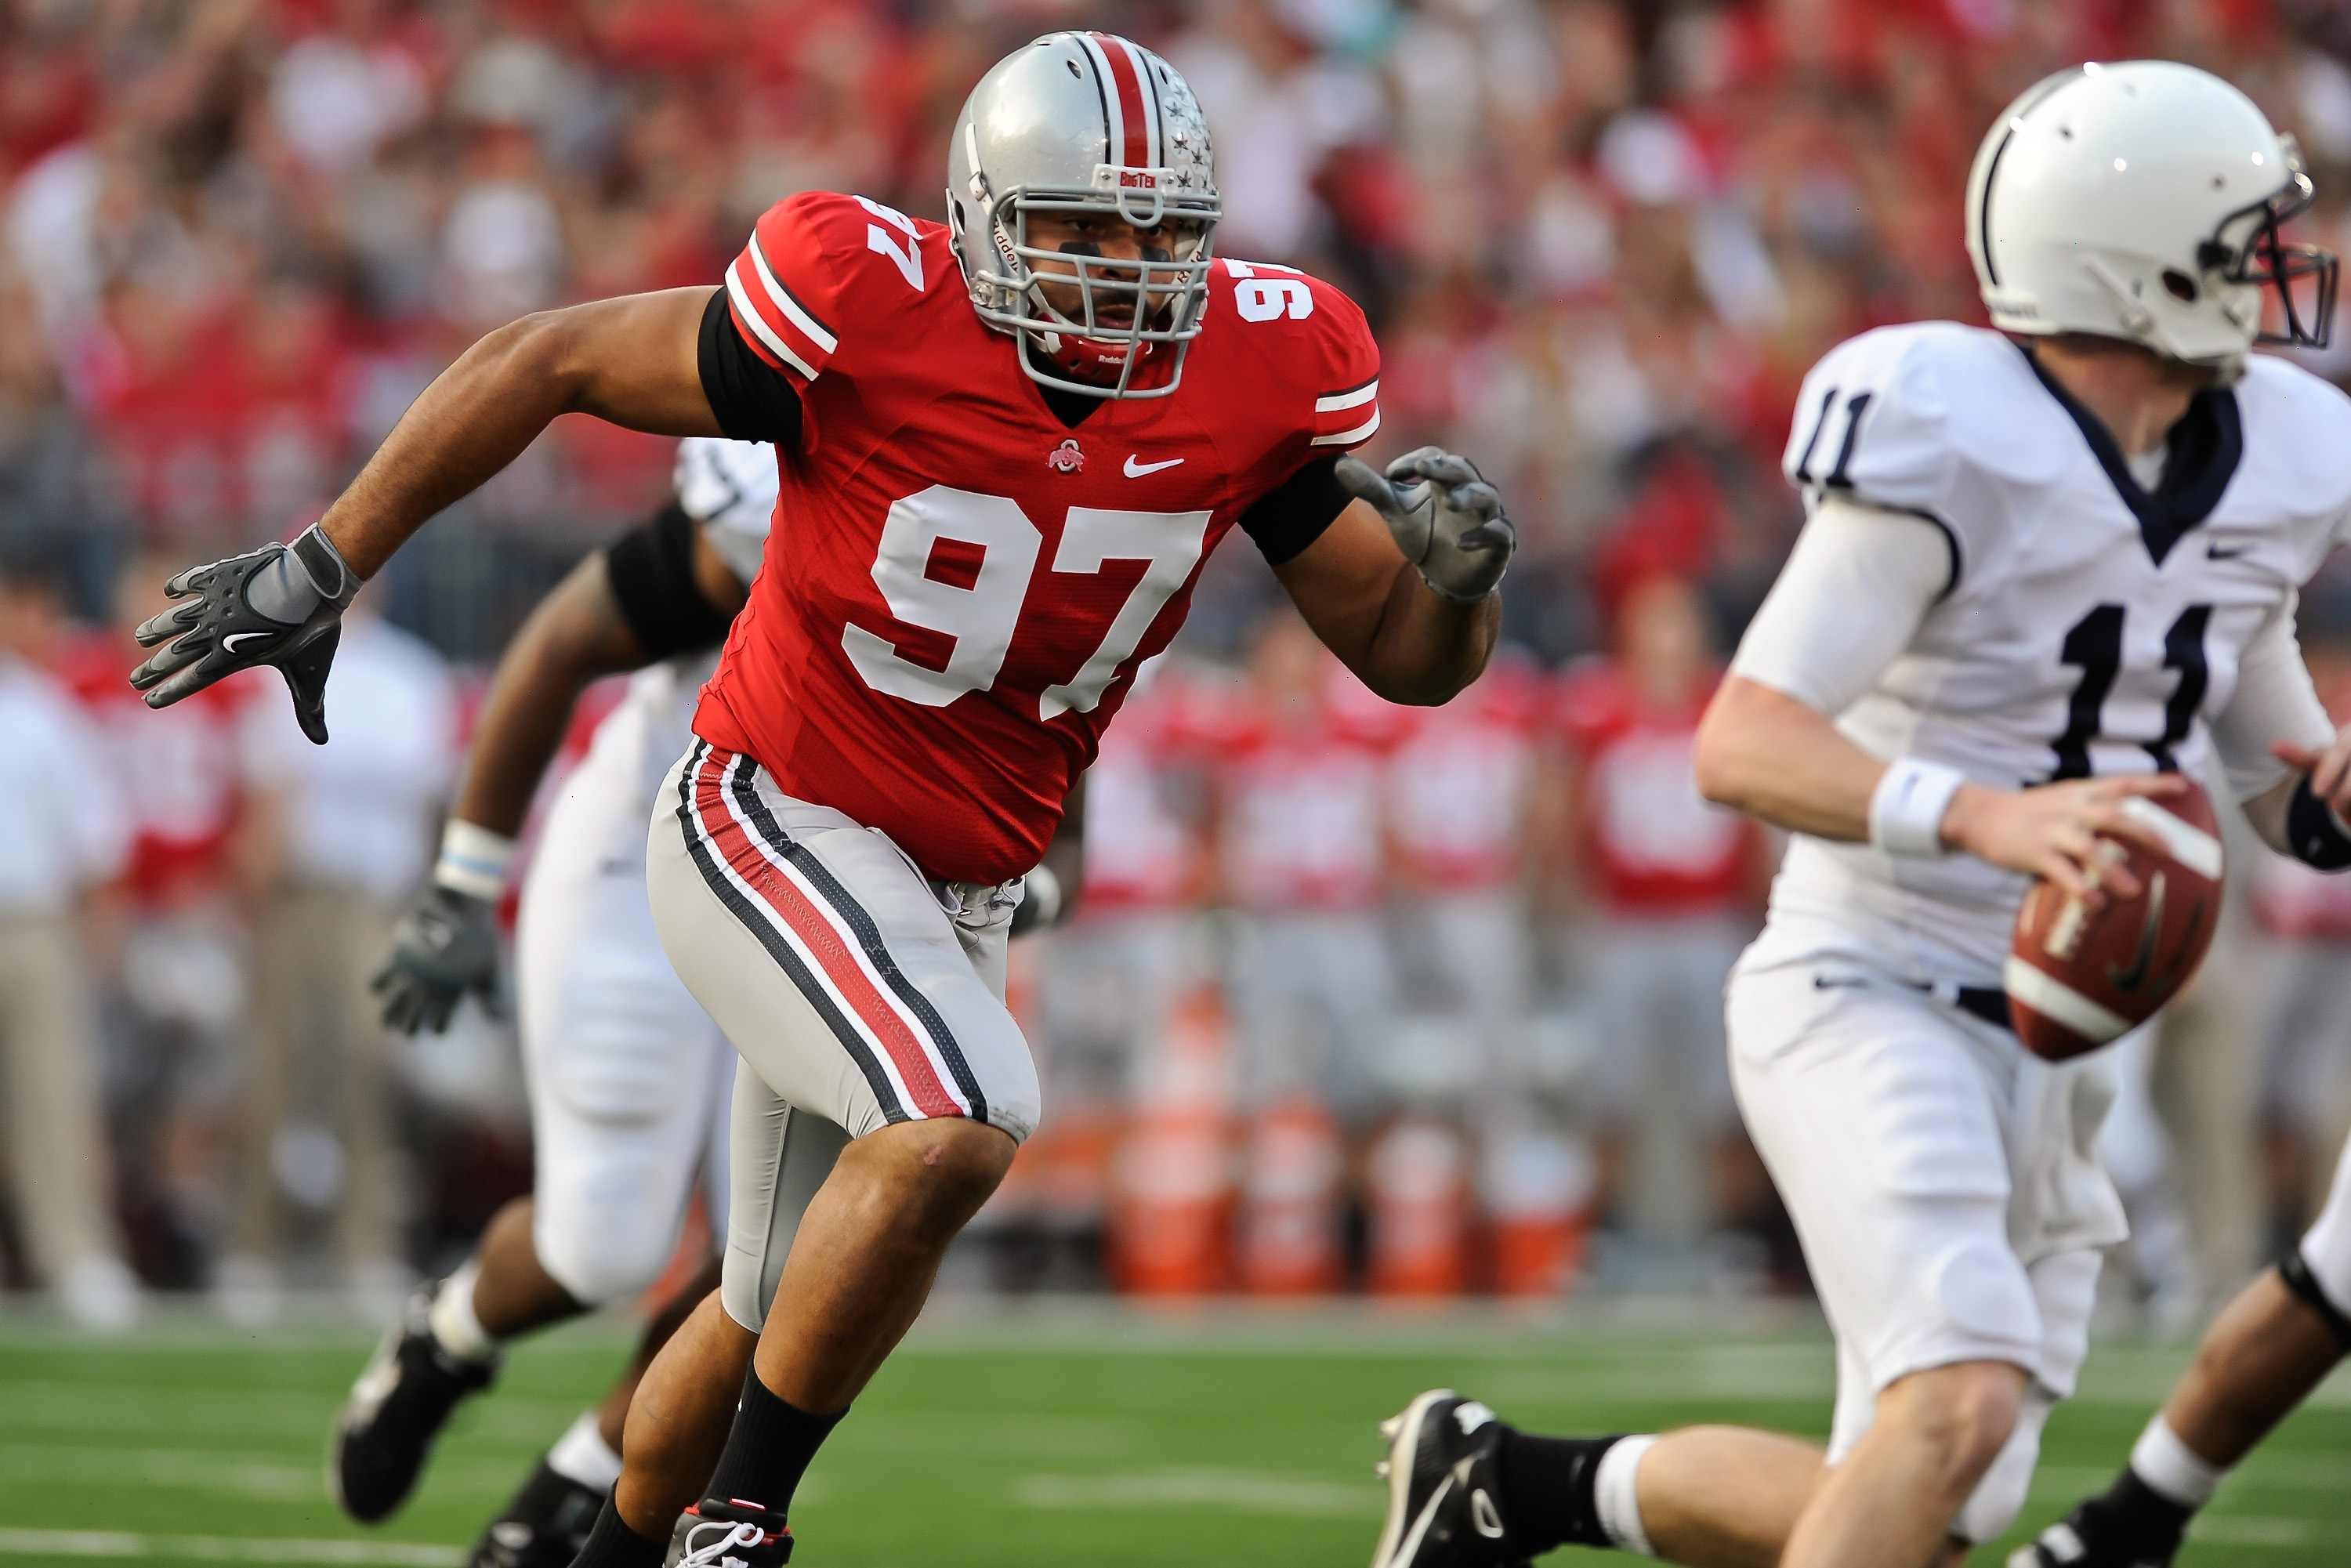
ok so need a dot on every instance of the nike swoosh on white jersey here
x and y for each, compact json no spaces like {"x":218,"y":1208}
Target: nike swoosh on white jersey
{"x":228,"y":643}
{"x":1137,"y":470}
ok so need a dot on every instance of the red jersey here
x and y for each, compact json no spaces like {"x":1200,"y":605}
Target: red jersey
{"x":960,"y":585}
{"x":1655,"y":845}
{"x":1142,"y":853}
{"x":1299,"y":815}
{"x":179,"y":770}
{"x":1458,"y":784}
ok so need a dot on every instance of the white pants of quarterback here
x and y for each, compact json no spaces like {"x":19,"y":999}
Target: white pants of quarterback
{"x":628,"y":1077}
{"x":1945,"y":1186}
{"x":859,"y":992}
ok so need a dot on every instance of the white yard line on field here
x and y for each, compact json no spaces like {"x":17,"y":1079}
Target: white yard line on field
{"x":55,"y":1544}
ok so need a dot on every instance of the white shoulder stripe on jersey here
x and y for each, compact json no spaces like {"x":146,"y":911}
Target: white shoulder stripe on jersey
{"x":2054,"y":998}
{"x":1355,"y":399}
{"x":790,"y":306}
{"x":758,"y":324}
{"x":1349,"y":438}
{"x":2191,"y":845}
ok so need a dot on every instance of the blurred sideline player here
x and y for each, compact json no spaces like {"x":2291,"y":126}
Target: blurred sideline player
{"x":181,"y":946}
{"x":1006,"y":444}
{"x":1297,"y":830}
{"x":1456,"y":785}
{"x":1668,"y":880}
{"x":628,"y":1077}
{"x":2282,"y":1334}
{"x":2037,"y":563}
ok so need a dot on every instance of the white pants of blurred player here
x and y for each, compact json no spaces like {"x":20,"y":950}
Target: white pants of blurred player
{"x":1945,"y":1183}
{"x":1465,"y":958}
{"x":1659,"y":1078}
{"x":858,"y":992}
{"x":2305,"y":1042}
{"x":629,"y":1079}
{"x":1109,"y":980}
{"x":1314,"y":995}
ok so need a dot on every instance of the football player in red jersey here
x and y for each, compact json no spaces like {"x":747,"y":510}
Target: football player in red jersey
{"x":1006,"y":444}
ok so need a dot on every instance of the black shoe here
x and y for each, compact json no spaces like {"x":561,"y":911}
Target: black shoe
{"x":2094,"y":1535}
{"x":396,"y":1408}
{"x":1442,"y":1507}
{"x":717,"y":1533}
{"x":544,"y":1527}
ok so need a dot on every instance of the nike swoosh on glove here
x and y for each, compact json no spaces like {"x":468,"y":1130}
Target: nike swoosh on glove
{"x":445,"y":947}
{"x":280,"y":605}
{"x":1444,"y":518}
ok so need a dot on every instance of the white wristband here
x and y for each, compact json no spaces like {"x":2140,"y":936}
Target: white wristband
{"x":473,"y":860}
{"x":1905,"y":810}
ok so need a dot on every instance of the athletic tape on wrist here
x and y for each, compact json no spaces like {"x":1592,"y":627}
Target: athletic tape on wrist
{"x":2315,"y":831}
{"x":474,"y":860}
{"x":1905,"y":810}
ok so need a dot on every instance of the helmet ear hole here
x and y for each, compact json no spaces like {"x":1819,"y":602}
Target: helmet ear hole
{"x":2182,"y":288}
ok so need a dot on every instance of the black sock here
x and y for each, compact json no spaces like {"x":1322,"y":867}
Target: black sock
{"x":2141,"y":1516}
{"x":612,"y":1545}
{"x":768,"y":1449}
{"x":1547,"y":1497}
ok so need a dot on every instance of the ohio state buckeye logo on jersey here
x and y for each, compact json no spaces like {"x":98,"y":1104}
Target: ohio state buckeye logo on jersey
{"x":1066,"y":458}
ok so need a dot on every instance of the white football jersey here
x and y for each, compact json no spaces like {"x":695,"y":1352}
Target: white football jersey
{"x":2089,"y":627}
{"x":729,"y":488}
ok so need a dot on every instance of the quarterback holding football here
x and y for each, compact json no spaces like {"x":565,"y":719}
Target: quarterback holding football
{"x":1006,"y":444}
{"x":2049,"y":570}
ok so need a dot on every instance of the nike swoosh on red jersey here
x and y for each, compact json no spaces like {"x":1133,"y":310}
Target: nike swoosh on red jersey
{"x":1137,"y":470}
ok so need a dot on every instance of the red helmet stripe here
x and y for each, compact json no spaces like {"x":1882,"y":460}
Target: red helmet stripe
{"x":1133,"y":130}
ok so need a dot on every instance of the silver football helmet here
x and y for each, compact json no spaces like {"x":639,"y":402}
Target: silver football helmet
{"x":2143,"y":199}
{"x":1086,"y":122}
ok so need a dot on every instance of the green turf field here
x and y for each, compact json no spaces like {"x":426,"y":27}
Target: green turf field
{"x":1059,"y":1439}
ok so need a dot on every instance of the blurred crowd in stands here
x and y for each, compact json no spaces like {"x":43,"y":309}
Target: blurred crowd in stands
{"x":1418,"y":1002}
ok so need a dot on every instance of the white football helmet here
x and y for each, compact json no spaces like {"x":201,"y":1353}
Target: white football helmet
{"x":729,"y":487}
{"x":2142,"y":200}
{"x":1086,"y":122}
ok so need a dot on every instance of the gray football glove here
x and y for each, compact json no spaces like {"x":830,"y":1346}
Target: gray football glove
{"x":445,"y":947}
{"x":1446,"y":518}
{"x":281,"y":605}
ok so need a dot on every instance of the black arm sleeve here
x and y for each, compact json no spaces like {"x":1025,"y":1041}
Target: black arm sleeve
{"x":752,"y":399}
{"x":1293,"y":514}
{"x":651,"y":568}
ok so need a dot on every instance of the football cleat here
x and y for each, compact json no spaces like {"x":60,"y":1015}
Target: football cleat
{"x":544,"y":1526}
{"x":397,"y":1407}
{"x":728,"y":1532}
{"x":2092,"y":1536}
{"x":1442,"y":1506}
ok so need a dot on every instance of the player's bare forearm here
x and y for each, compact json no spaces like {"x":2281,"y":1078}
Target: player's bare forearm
{"x":1763,"y":752}
{"x":575,"y":636}
{"x":631,"y":360}
{"x":1369,"y":607}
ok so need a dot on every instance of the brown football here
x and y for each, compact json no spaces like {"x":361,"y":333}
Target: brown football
{"x":2079,"y":976}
